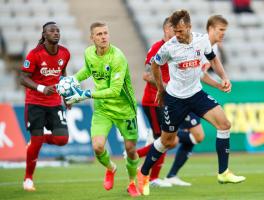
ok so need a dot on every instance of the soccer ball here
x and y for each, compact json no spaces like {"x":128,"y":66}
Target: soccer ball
{"x":64,"y":87}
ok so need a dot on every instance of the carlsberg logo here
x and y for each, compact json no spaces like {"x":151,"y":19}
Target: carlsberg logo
{"x":50,"y":72}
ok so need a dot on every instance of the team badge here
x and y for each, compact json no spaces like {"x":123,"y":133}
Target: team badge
{"x":198,"y":52}
{"x":26,"y":64}
{"x":107,"y":68}
{"x":60,"y":62}
{"x":157,"y":57}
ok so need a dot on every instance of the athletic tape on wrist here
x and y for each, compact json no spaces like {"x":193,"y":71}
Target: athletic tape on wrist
{"x":41,"y":88}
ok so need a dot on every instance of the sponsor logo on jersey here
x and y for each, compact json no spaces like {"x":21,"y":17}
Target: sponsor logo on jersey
{"x":189,"y":64}
{"x":157,"y":57}
{"x":50,"y":72}
{"x":43,"y":64}
{"x":60,"y":62}
{"x":100,"y":75}
{"x":26,"y":64}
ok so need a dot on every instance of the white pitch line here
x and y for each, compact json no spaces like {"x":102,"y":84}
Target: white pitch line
{"x":88,"y":180}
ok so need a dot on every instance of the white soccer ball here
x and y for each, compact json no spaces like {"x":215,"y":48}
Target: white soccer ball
{"x":64,"y":87}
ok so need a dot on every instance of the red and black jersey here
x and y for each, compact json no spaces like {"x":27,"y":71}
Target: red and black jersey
{"x":46,"y":70}
{"x":150,"y":90}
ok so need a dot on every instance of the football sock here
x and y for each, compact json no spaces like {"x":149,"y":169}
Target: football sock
{"x":104,"y":159}
{"x":222,"y":149}
{"x":143,"y":151}
{"x":154,"y":174}
{"x":33,"y":149}
{"x":186,"y":145}
{"x":180,"y":159}
{"x":156,"y":150}
{"x":131,"y":166}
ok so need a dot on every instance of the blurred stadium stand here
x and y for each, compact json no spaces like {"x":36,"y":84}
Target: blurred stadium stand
{"x":21,"y":25}
{"x":21,"y":21}
{"x":244,"y":39}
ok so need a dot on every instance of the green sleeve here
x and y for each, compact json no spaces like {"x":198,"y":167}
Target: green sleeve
{"x":83,"y":73}
{"x":116,"y":81}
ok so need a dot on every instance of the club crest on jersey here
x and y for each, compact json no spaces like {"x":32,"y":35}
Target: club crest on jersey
{"x":107,"y":68}
{"x":198,"y":52}
{"x":26,"y":64}
{"x":60,"y":62}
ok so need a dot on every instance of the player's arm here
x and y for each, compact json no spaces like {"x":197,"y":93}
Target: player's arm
{"x":219,"y":70}
{"x":27,"y":70}
{"x":159,"y":83}
{"x":206,"y":78}
{"x":147,"y":75}
{"x":84,"y":72}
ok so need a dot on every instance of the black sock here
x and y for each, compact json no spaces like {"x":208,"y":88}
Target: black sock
{"x":181,"y":157}
{"x":222,"y":149}
{"x":152,"y":156}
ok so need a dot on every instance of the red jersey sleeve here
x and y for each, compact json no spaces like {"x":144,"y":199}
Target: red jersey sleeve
{"x":152,"y":52}
{"x":29,"y":64}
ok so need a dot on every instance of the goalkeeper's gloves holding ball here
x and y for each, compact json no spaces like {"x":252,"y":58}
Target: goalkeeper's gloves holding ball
{"x":79,"y":95}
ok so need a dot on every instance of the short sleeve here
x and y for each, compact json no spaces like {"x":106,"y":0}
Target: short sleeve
{"x":162,"y":55}
{"x":29,"y":64}
{"x":208,"y":48}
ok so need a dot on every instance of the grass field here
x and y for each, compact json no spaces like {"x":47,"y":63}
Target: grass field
{"x":84,"y":181}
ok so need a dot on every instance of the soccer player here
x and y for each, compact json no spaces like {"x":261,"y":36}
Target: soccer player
{"x":114,"y":102}
{"x":190,"y":132}
{"x":184,"y":94}
{"x":43,"y":108}
{"x":216,"y":27}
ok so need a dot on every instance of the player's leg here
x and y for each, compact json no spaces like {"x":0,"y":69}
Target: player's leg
{"x":217,"y":117}
{"x":35,"y":120}
{"x":100,"y":128}
{"x":210,"y":110}
{"x":56,"y":122}
{"x":129,"y":131}
{"x":173,"y":114}
{"x":189,"y":133}
{"x":152,"y":114}
{"x":156,"y":116}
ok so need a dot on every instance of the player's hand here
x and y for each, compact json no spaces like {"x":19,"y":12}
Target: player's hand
{"x":79,"y":95}
{"x":226,"y":85}
{"x":159,"y":98}
{"x":49,"y":90}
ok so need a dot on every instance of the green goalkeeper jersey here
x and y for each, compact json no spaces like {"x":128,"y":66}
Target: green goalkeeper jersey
{"x":113,"y":95}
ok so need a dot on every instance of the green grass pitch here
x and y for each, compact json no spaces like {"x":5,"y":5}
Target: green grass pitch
{"x":84,"y":181}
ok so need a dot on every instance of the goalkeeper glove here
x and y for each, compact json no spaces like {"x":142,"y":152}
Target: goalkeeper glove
{"x":79,"y":95}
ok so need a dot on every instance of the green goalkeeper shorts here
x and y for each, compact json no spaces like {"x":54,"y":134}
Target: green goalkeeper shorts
{"x":101,"y":125}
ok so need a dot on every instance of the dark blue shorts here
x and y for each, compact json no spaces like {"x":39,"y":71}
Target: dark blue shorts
{"x":176,"y":109}
{"x":190,"y":121}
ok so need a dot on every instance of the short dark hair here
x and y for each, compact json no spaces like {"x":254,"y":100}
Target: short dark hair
{"x":96,"y":24}
{"x":215,"y":19}
{"x":179,"y":15}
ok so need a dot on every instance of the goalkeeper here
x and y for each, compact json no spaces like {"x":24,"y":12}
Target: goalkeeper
{"x":114,"y":102}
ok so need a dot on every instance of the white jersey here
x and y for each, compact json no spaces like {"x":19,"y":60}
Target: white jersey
{"x":185,"y":64}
